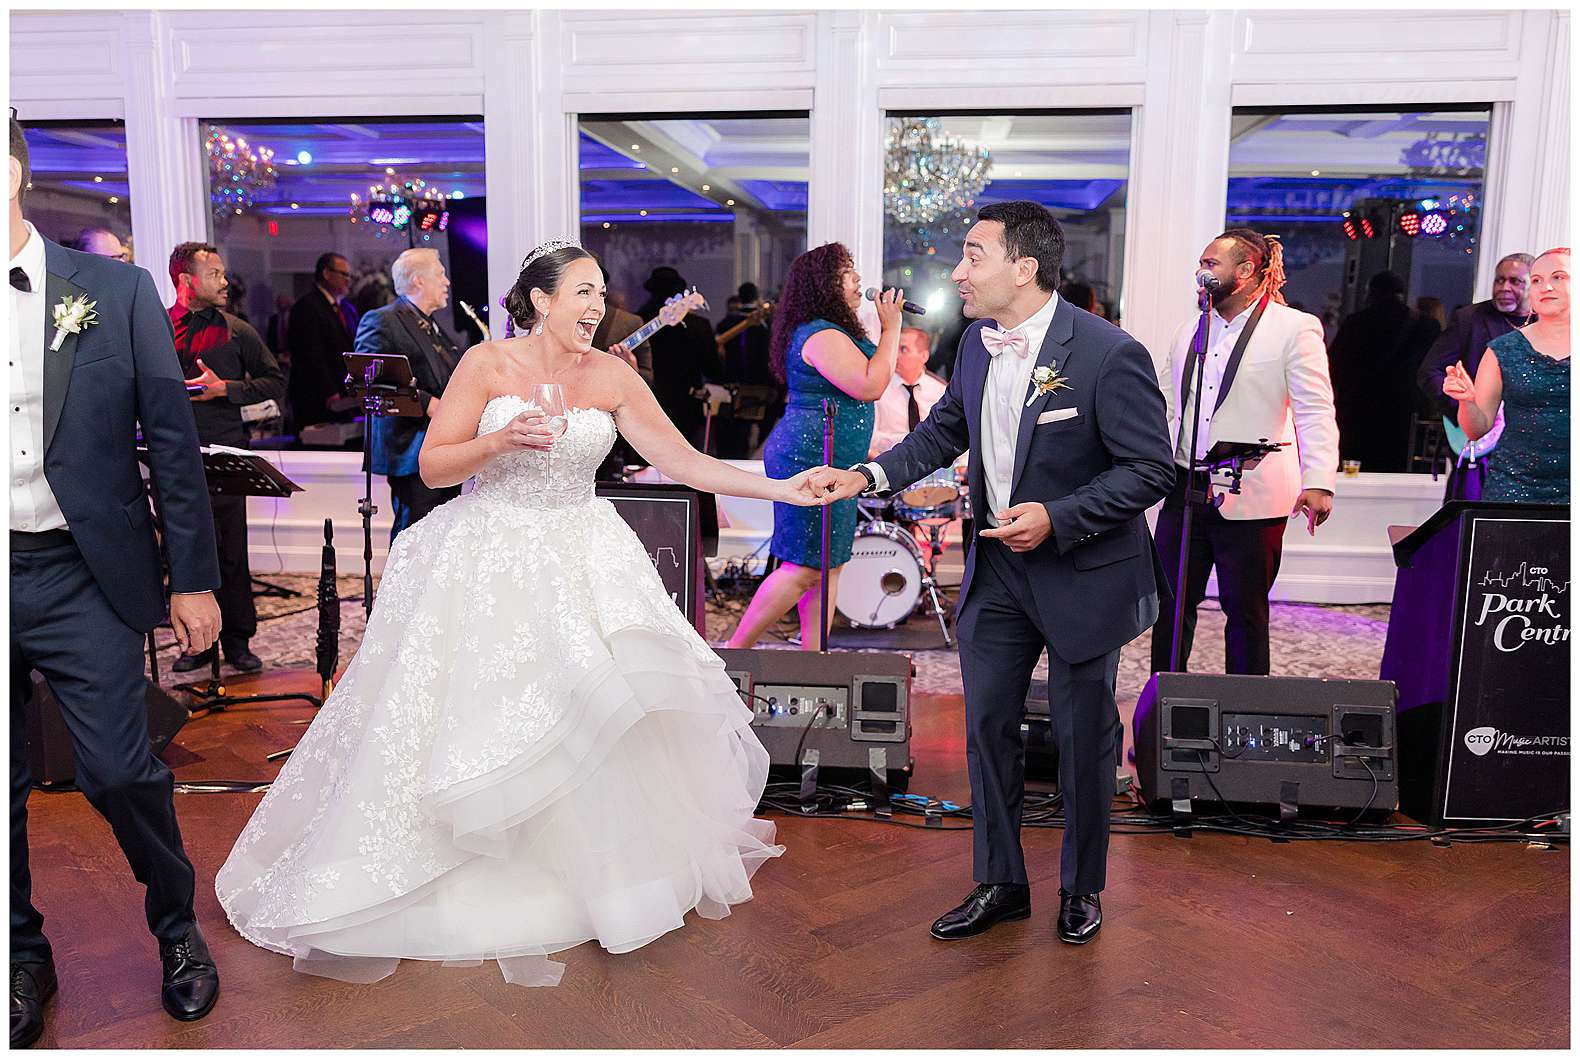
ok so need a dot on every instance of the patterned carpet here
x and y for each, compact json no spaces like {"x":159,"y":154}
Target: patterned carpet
{"x":1307,"y":640}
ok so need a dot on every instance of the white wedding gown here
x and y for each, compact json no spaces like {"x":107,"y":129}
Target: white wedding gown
{"x":532,"y":748}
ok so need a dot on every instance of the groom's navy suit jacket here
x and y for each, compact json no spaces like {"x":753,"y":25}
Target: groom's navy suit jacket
{"x":117,"y":374}
{"x":1095,"y":578}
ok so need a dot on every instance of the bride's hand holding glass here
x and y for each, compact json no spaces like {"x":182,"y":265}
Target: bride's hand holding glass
{"x":529,"y":430}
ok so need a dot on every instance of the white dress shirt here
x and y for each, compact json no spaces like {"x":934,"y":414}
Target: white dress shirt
{"x":893,"y":408}
{"x":1003,"y":399}
{"x":1221,"y":336}
{"x":33,"y":506}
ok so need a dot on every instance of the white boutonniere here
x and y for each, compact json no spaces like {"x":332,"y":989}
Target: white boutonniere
{"x":1045,"y":380}
{"x":72,"y":316}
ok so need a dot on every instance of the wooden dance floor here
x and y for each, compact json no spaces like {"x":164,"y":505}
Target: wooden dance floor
{"x":1212,"y":941}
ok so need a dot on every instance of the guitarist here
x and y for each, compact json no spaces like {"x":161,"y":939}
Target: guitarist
{"x":684,"y":356}
{"x":746,"y":362}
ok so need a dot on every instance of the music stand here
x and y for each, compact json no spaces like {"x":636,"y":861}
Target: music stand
{"x":386,"y":387}
{"x":237,"y":472}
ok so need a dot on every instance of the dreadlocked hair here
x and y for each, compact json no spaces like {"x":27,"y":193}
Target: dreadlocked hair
{"x":1266,"y":254}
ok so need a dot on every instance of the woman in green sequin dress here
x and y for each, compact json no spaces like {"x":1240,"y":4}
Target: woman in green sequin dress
{"x":820,"y":351}
{"x":1528,"y":371}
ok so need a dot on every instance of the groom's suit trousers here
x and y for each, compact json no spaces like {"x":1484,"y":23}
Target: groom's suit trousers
{"x":1001,"y":638}
{"x":62,"y":625}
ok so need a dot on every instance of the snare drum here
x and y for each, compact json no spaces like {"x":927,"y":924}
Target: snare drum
{"x":935,"y":498}
{"x":882,"y":583}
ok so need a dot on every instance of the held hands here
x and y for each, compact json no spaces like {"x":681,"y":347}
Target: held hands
{"x":890,"y":304}
{"x":1457,"y":383}
{"x":1022,"y":527}
{"x":1316,"y":505}
{"x":802,"y":491}
{"x":836,"y":484}
{"x":213,"y":385}
{"x":529,"y":430}
{"x":194,"y":618}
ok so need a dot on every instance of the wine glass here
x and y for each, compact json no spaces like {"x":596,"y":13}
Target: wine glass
{"x":550,"y":399}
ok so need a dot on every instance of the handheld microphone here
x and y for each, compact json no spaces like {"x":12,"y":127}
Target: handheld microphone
{"x":1206,"y":281}
{"x":911,"y":307}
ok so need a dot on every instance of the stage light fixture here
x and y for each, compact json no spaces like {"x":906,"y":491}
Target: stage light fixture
{"x":1351,"y":229}
{"x":1434,"y":224}
{"x":1410,"y":223}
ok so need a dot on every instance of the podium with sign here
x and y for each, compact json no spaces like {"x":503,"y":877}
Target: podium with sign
{"x":1478,"y":645}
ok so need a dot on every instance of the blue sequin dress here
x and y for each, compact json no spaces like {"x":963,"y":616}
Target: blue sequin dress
{"x":797,"y":443}
{"x":1531,"y":463}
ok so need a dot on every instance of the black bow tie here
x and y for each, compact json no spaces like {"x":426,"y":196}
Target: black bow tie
{"x":20,"y":281}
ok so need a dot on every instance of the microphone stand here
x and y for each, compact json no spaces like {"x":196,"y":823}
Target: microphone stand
{"x":1193,"y":496}
{"x":822,"y":586}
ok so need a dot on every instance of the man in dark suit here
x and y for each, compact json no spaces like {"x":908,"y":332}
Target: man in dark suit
{"x":1065,"y":423}
{"x":86,"y":585}
{"x":224,"y":355}
{"x":406,"y":326}
{"x":684,"y":356}
{"x":320,"y":329}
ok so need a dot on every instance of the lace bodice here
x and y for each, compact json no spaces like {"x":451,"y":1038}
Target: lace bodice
{"x":561,"y":477}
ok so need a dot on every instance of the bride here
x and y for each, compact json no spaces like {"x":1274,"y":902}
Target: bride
{"x":532,"y":748}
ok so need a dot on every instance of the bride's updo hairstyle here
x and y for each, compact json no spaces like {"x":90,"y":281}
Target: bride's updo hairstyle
{"x":543,"y":269}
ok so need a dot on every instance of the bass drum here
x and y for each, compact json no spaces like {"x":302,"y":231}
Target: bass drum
{"x":882,"y":583}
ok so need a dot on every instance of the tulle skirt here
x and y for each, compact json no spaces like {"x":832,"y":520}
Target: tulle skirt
{"x":531,"y":750}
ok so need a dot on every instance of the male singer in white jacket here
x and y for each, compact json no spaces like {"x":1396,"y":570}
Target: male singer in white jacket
{"x":1277,"y":388}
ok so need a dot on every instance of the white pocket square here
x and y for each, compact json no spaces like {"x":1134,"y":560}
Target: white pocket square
{"x":1057,"y":414}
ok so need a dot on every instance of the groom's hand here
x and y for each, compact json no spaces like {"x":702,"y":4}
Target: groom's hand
{"x":1022,"y":527}
{"x":836,"y":484}
{"x":194,"y":618}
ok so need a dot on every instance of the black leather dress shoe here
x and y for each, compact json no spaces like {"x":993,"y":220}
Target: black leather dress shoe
{"x":32,"y":984}
{"x":244,"y":660}
{"x":988,"y":904}
{"x":1080,"y":916}
{"x":191,"y":982}
{"x":187,"y":663}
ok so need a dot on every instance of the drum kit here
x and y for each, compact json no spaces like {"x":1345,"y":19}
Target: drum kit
{"x":888,"y":575}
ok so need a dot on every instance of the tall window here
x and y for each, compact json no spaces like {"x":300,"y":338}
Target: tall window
{"x":720,"y":199}
{"x":284,"y":193}
{"x":940,"y":168}
{"x":79,"y":187}
{"x":1358,"y":191}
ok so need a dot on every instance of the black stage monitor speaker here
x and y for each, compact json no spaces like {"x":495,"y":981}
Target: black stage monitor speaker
{"x":1284,"y":741}
{"x":852,"y":709}
{"x":49,"y":753}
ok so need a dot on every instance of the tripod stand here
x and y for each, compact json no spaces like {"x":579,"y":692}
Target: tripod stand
{"x":386,"y":388}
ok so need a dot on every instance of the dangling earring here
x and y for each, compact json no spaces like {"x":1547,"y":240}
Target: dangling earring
{"x":539,"y":329}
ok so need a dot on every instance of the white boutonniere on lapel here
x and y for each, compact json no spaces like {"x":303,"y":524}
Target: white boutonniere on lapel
{"x":1045,"y":380}
{"x":72,"y":316}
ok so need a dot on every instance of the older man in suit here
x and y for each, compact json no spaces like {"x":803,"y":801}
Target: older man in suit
{"x":86,"y":578}
{"x":1061,"y":413}
{"x":407,"y":326}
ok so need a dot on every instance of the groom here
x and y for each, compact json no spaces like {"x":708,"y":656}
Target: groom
{"x":1069,"y":446}
{"x":86,"y":585}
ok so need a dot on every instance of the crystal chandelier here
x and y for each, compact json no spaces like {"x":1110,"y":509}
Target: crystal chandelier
{"x":237,"y":172}
{"x":928,"y":176}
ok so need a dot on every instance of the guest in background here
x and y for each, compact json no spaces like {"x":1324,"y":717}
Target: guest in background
{"x":1278,"y":390}
{"x":236,"y":298}
{"x":1373,"y":362}
{"x":1472,"y":330}
{"x":1082,"y":296}
{"x":320,"y":330}
{"x":910,"y":395}
{"x":222,"y":353}
{"x":1527,"y":370}
{"x":684,"y":356}
{"x":746,"y":364}
{"x":1432,"y":309}
{"x":101,"y":242}
{"x":616,"y":324}
{"x":820,"y":350}
{"x":407,"y":326}
{"x":274,"y":331}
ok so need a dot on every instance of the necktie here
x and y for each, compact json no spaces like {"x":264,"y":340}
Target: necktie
{"x":20,"y":281}
{"x":1013,"y":341}
{"x":913,"y":411}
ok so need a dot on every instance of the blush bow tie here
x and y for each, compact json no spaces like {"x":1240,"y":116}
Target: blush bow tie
{"x":1013,"y":341}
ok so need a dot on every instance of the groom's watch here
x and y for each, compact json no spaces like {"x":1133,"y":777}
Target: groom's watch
{"x":872,"y":483}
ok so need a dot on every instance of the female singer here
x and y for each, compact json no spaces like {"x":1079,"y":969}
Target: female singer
{"x":819,"y":350}
{"x":1528,"y":370}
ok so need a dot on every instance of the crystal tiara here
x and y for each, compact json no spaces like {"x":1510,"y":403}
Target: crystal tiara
{"x":549,"y":248}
